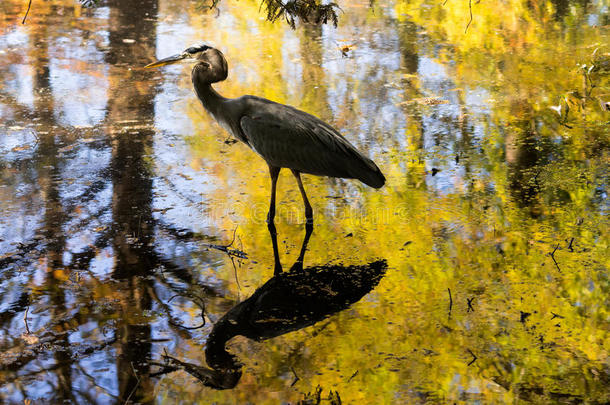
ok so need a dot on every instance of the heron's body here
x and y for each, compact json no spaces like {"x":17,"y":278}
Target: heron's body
{"x":283,"y":136}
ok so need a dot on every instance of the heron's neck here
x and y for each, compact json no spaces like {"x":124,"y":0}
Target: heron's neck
{"x":211,"y":100}
{"x":215,"y":352}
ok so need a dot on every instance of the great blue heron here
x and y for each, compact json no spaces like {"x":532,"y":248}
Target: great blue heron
{"x":280,"y":134}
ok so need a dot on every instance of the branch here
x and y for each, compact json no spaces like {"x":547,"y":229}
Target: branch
{"x":450,"y":301}
{"x":474,"y":357}
{"x":26,"y":12}
{"x":552,"y":254}
{"x":470,"y":21}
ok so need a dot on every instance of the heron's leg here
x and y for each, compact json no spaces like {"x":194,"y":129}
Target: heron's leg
{"x":298,"y":265}
{"x":308,"y":209}
{"x":276,"y":255}
{"x":274,"y":172}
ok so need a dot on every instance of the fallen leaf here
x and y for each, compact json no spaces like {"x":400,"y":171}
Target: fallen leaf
{"x":20,"y":148}
{"x":66,"y":148}
{"x":29,"y":338}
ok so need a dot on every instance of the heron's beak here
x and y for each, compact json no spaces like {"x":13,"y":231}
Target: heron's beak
{"x":168,"y":61}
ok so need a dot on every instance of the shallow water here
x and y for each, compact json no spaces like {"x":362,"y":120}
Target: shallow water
{"x":128,"y":218}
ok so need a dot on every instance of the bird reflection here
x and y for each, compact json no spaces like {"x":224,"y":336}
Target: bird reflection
{"x":287,"y":302}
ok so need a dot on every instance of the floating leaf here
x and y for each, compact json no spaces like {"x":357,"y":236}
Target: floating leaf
{"x":21,"y":148}
{"x":556,"y":108}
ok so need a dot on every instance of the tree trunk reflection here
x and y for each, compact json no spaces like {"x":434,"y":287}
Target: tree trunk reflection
{"x":132,"y":188}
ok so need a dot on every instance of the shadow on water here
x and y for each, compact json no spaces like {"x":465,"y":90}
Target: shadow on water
{"x":287,"y":302}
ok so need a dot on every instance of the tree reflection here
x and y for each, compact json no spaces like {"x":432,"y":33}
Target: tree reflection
{"x":133,"y":225}
{"x":525,"y":155}
{"x":125,"y":226}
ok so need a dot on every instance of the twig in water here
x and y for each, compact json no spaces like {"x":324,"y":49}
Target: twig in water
{"x":296,"y":377}
{"x":470,"y":308}
{"x":470,"y":21}
{"x":556,"y":315}
{"x":233,"y":240}
{"x":474,"y":357}
{"x":136,"y":386}
{"x":165,"y":369}
{"x":353,"y":375}
{"x":26,"y":12}
{"x":227,"y":248}
{"x":450,"y":301}
{"x":235,"y":272}
{"x":553,"y":257}
{"x":25,"y":319}
{"x":202,"y":306}
{"x":35,"y":135}
{"x":570,"y":248}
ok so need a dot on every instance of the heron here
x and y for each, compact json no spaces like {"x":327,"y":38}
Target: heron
{"x":283,"y":136}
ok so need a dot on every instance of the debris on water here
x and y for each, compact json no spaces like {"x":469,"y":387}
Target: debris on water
{"x":424,"y":101}
{"x":345,"y":49}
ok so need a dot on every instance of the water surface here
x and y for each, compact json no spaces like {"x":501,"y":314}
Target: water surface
{"x":132,"y":228}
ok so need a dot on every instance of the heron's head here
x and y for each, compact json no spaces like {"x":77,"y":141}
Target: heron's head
{"x":210,"y":63}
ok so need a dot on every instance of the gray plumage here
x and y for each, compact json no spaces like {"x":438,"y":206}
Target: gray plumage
{"x":282,"y":135}
{"x":287,"y":137}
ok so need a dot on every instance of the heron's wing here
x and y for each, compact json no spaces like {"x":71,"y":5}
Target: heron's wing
{"x":287,"y":137}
